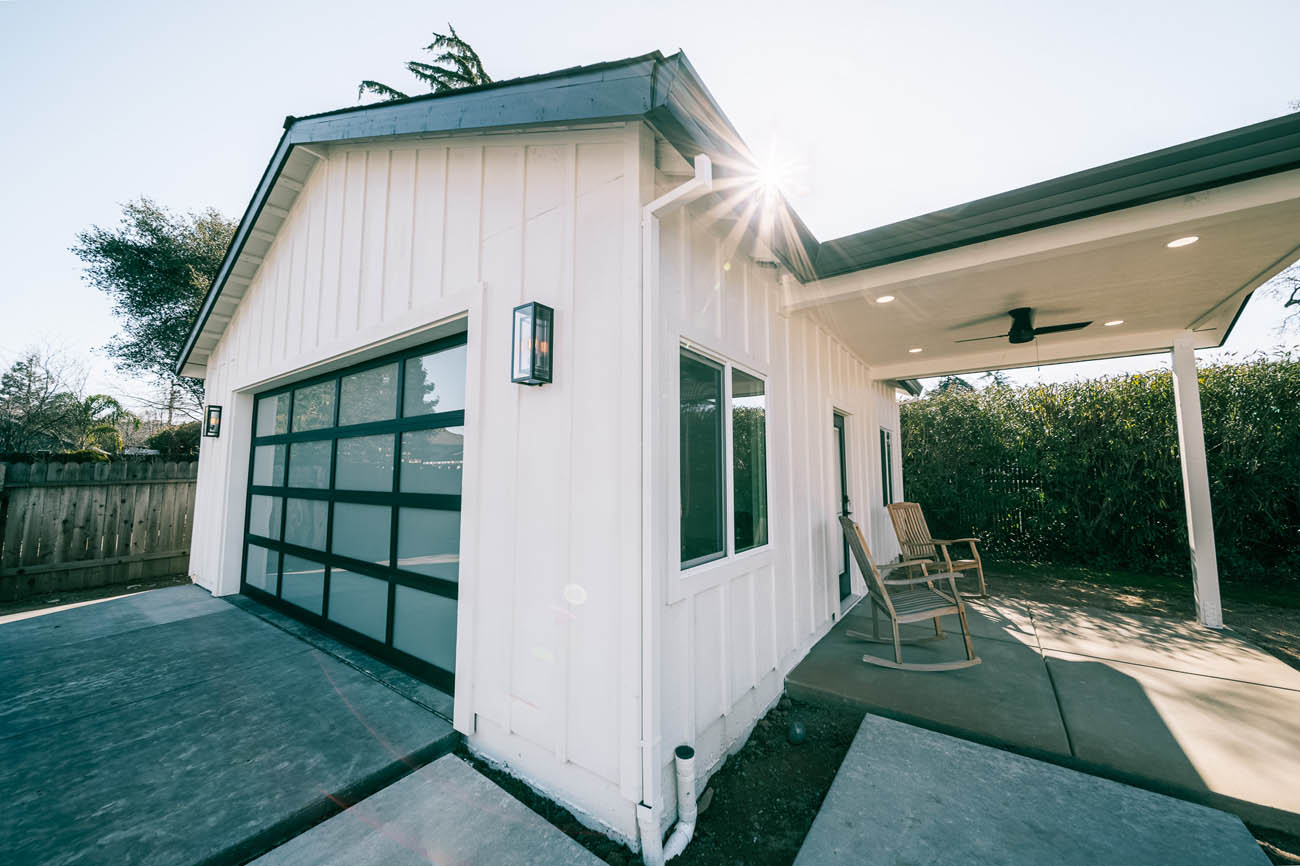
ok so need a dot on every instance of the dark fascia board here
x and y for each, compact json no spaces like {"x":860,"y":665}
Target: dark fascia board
{"x":1229,"y":157}
{"x":911,"y":386}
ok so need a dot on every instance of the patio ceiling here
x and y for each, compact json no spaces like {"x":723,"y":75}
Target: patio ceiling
{"x":1105,"y":267}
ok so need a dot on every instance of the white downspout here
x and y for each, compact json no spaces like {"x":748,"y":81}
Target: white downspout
{"x":652,"y":849}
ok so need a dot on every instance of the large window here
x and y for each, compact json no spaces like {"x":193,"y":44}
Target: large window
{"x":887,"y":465}
{"x":723,"y":426}
{"x":354,"y":504}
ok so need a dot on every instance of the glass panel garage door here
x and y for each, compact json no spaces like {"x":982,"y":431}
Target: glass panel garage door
{"x":354,"y":504}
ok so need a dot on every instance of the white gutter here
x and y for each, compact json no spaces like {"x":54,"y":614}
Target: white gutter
{"x":647,"y":816}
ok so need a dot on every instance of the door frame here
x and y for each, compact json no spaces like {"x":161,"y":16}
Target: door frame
{"x":839,"y":422}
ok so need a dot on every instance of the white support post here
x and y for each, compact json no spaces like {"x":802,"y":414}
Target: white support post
{"x":1196,"y":482}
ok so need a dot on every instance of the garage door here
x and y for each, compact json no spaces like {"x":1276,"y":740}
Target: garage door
{"x":353,"y":519}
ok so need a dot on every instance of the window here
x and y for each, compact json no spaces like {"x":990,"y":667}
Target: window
{"x":887,"y":465}
{"x":749,"y":460}
{"x":703,"y":497}
{"x":717,"y":399}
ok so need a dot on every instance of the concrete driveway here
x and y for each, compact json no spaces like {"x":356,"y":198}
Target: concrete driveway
{"x":170,"y":727}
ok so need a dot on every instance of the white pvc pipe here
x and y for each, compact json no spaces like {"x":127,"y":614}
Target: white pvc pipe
{"x":684,"y":759}
{"x":647,"y":819}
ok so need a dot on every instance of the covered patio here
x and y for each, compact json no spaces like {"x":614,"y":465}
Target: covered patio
{"x":1161,"y":704}
{"x":1158,"y":253}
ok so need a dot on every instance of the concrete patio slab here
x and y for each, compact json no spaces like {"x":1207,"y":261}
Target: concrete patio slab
{"x":893,"y":801}
{"x":445,"y":813}
{"x":151,"y":742}
{"x":1005,"y":700}
{"x":1235,"y":745}
{"x":1159,"y":642}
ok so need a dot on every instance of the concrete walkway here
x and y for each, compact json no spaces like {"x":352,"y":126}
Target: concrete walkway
{"x":1163,"y":704}
{"x":170,"y":727}
{"x":445,"y":813}
{"x":908,"y":795}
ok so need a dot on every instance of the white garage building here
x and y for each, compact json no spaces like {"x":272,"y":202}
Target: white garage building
{"x":633,"y":556}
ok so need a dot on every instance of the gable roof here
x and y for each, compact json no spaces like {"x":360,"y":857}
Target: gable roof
{"x":666,"y":92}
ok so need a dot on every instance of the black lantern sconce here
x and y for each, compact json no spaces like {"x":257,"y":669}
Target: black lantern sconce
{"x":212,"y":421}
{"x":533,"y":344}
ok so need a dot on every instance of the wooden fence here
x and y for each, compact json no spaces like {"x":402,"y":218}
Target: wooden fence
{"x":67,"y":526}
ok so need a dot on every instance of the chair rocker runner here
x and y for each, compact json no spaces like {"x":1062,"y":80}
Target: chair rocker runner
{"x":904,"y":601}
{"x":916,"y":542}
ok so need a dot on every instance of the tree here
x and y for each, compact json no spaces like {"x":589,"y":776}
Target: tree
{"x":96,"y":421}
{"x":456,"y":66}
{"x":952,"y":383}
{"x":157,"y":267}
{"x":996,"y":379}
{"x":33,"y":403}
{"x":180,"y":442}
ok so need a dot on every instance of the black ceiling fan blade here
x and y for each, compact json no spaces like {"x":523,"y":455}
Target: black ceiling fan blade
{"x":977,"y":339}
{"x":1056,"y":329}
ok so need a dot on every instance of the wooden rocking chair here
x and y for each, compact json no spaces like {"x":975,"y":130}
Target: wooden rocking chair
{"x":904,"y":601}
{"x":916,"y":543}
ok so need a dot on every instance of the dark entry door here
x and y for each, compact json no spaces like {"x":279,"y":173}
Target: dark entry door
{"x":354,"y":504}
{"x":842,"y":492}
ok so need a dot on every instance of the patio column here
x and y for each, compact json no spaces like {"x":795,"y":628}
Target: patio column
{"x":1196,"y":482}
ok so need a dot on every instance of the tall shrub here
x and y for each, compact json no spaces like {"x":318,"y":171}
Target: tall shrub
{"x":1088,"y":472}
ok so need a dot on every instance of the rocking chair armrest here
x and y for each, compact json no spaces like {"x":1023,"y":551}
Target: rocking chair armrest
{"x":929,"y":578}
{"x":905,"y":563}
{"x":954,"y":540}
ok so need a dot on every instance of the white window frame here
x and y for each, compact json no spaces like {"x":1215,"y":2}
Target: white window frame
{"x":728,"y":554}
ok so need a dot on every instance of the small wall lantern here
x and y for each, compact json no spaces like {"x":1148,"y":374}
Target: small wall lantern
{"x":530,"y":362}
{"x":212,"y":421}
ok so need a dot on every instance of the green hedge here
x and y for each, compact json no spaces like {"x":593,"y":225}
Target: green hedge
{"x":1088,"y":473}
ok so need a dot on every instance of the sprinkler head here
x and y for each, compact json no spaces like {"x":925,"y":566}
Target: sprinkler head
{"x":797,"y":733}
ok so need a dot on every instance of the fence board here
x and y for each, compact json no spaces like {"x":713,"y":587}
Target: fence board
{"x":70,"y":526}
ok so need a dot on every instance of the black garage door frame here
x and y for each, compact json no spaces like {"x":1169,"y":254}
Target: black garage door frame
{"x":440,"y":677}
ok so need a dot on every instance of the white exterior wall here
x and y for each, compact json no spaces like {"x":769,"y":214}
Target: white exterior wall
{"x":728,"y":631}
{"x":390,"y":244}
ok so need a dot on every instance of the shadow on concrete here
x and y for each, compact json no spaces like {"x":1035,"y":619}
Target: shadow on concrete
{"x":1162,"y":705}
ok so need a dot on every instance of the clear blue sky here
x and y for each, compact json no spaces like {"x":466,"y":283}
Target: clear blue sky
{"x":892,"y":109}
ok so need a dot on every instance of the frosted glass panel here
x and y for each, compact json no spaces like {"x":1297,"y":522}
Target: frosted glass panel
{"x":305,"y":522}
{"x":303,"y":583}
{"x":435,"y":383}
{"x":424,"y":625}
{"x":365,"y":463}
{"x":359,"y":602}
{"x":309,"y":464}
{"x":313,"y":407}
{"x":264,"y":516}
{"x":370,"y":395}
{"x":428,"y":542}
{"x":362,"y":531}
{"x":268,"y":465}
{"x":262,"y":566}
{"x":432,"y":460}
{"x":273,"y":415}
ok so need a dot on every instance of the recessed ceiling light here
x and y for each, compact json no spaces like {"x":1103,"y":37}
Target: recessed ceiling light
{"x":915,"y":349}
{"x":1183,"y":242}
{"x":884,"y":299}
{"x":1113,"y":322}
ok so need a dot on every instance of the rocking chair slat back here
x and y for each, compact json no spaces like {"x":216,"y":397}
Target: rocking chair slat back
{"x":913,"y":534}
{"x":862,"y":555}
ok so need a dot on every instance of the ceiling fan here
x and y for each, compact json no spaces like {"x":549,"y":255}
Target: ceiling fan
{"x":1023,"y":330}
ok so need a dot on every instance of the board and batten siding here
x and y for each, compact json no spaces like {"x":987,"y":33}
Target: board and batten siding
{"x":730,"y":630}
{"x":396,"y":242}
